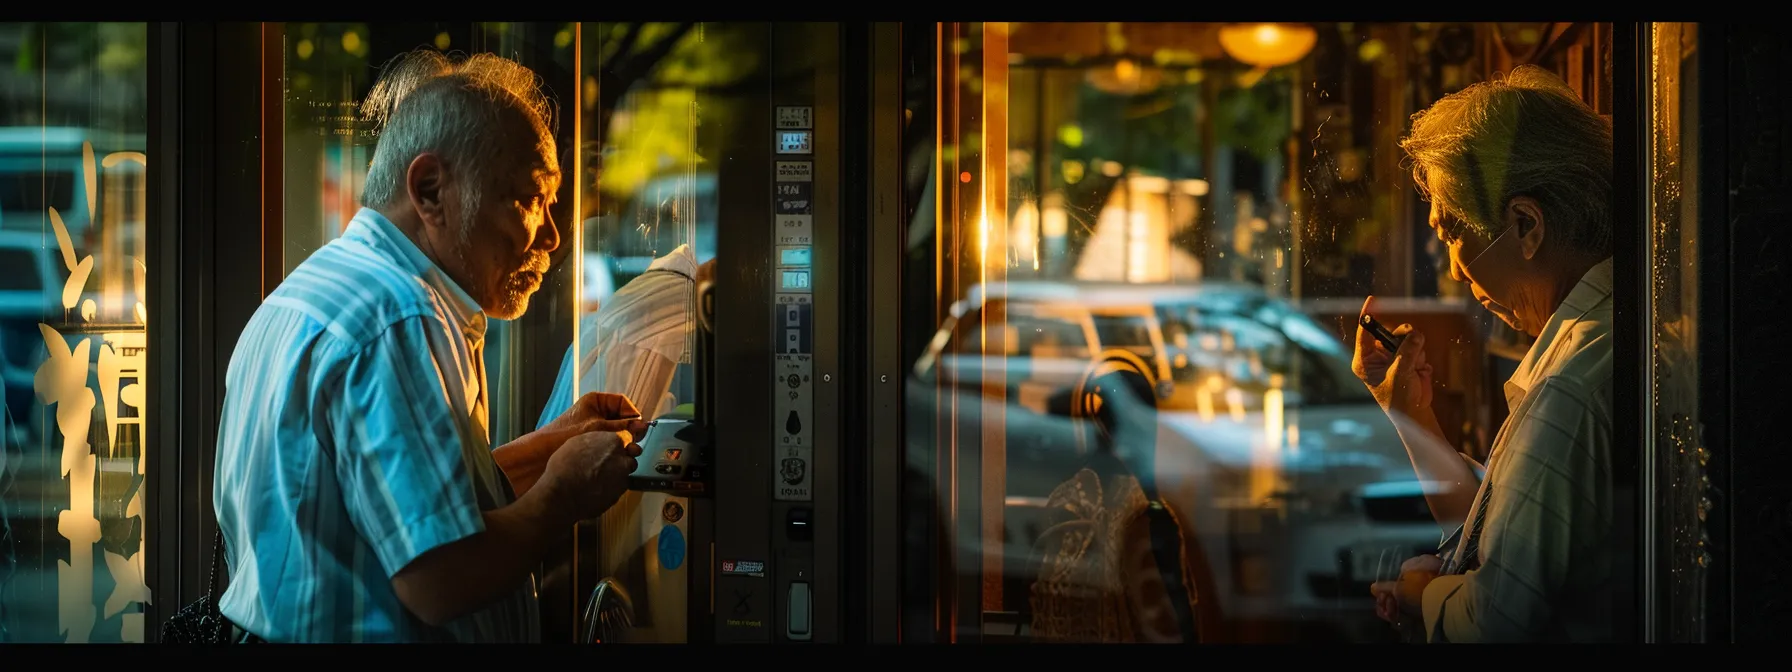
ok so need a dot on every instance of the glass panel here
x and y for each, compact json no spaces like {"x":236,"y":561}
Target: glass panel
{"x":72,"y":348}
{"x":1146,"y":247}
{"x":1673,"y":304}
{"x":660,"y":101}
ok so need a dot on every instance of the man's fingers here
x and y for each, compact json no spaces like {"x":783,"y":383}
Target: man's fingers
{"x":630,"y":426}
{"x":1415,"y":342}
{"x":1365,"y":342}
{"x":609,"y":406}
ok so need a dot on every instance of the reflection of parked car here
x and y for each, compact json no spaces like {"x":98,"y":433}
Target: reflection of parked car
{"x":28,"y":289}
{"x":1283,"y":467}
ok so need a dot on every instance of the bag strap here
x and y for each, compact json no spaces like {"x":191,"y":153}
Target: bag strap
{"x":212,"y":595}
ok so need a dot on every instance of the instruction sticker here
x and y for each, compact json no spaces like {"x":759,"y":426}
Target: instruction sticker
{"x":795,"y":117}
{"x":743,"y":568}
{"x":795,"y":171}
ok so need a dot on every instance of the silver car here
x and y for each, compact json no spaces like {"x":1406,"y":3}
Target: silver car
{"x":1290,"y":476}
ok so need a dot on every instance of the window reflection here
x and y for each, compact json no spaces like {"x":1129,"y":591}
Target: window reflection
{"x":1685,"y":497}
{"x":72,"y":346}
{"x":1211,"y":203}
{"x":660,"y":102}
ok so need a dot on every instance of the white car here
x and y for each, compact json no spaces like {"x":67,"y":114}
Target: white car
{"x":1290,"y":475}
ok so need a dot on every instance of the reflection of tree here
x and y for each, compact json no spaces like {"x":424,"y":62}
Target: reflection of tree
{"x":63,"y":66}
{"x":655,"y":83}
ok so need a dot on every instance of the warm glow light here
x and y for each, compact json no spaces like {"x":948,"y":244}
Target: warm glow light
{"x":1272,"y":414}
{"x":1268,"y":45}
{"x":1193,"y":187}
{"x":1204,"y":398}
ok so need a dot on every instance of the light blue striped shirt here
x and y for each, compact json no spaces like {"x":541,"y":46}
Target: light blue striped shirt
{"x":354,"y":439}
{"x":633,"y":344}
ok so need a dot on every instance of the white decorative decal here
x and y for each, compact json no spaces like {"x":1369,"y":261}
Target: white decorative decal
{"x":63,"y":381}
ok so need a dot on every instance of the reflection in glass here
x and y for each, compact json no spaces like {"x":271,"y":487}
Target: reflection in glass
{"x":660,"y":101}
{"x":72,"y":316}
{"x":1158,"y":193}
{"x":1673,"y":306}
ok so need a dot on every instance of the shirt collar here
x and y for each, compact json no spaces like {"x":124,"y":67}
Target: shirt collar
{"x":373,"y":229}
{"x":680,"y":260}
{"x":1594,"y":289}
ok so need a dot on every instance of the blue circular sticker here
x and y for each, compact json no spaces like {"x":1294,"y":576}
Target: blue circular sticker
{"x":671,"y":547}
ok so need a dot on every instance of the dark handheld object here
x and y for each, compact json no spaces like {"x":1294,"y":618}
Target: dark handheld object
{"x":1382,"y":334}
{"x":674,"y":458}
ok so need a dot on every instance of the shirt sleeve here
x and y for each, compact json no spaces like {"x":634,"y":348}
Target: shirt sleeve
{"x":1542,"y":515}
{"x":639,"y":336}
{"x":560,"y":400}
{"x":400,"y":443}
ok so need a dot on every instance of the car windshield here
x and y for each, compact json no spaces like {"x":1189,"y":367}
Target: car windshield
{"x":1239,"y":350}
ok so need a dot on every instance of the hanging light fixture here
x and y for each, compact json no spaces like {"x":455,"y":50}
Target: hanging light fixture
{"x":1268,"y":45}
{"x":1125,"y":78}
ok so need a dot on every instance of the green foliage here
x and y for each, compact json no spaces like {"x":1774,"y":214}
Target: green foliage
{"x":657,"y":125}
{"x":1258,"y":119}
{"x":1159,"y":132}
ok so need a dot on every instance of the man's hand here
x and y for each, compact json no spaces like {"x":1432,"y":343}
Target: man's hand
{"x":1396,"y":600}
{"x":1400,"y":381}
{"x":524,"y":459}
{"x":596,"y":411}
{"x":589,"y":473}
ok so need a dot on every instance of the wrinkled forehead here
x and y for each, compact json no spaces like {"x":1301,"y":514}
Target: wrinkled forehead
{"x":1443,"y":218}
{"x":531,"y":150}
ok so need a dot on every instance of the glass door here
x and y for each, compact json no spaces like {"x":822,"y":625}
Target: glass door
{"x":1136,"y":264}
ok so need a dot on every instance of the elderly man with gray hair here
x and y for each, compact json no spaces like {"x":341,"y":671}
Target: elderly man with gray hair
{"x":356,"y":489}
{"x":1519,"y":176}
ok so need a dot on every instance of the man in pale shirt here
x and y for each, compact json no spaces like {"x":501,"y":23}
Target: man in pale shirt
{"x":356,"y":489}
{"x":633,"y":343}
{"x":1519,"y":175}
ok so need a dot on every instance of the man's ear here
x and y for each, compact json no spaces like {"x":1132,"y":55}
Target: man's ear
{"x":425,"y":183}
{"x":1526,"y":218}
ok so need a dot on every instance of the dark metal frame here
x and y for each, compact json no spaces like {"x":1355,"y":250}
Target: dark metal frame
{"x":872,"y":540}
{"x":1713,"y":318}
{"x":1632,"y":502}
{"x":1744,"y":361}
{"x":204,"y":190}
{"x":743,"y":327}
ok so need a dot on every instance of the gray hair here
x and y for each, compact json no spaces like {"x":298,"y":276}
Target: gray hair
{"x":1528,"y":134}
{"x":426,"y":102}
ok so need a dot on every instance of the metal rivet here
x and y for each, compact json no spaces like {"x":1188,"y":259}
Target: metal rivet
{"x":827,"y":378}
{"x":883,"y":378}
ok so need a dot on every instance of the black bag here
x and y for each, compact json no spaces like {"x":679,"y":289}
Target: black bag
{"x":201,"y":622}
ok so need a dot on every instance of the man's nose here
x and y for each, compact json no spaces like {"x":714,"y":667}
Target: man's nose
{"x":1456,"y":268}
{"x":549,"y":240}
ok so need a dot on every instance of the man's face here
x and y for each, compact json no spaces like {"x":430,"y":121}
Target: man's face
{"x":509,"y":234}
{"x":1465,"y":248}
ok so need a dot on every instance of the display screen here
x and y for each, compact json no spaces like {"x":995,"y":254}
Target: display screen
{"x":795,"y":142}
{"x":793,"y":256}
{"x":795,"y":280}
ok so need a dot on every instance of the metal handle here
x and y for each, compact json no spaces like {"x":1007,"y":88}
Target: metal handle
{"x":610,"y":611}
{"x":706,"y":305}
